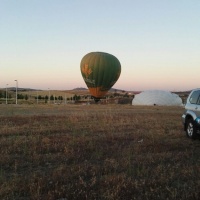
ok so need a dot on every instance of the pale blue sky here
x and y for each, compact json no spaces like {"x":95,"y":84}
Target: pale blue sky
{"x":156,"y":41}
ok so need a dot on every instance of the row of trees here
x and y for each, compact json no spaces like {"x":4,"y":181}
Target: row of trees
{"x":59,"y":98}
{"x":52,"y":97}
{"x":47,"y":97}
{"x":9,"y":96}
{"x":39,"y":97}
{"x":3,"y":95}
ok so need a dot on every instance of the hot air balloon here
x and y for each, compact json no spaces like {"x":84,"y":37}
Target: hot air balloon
{"x":100,"y":72}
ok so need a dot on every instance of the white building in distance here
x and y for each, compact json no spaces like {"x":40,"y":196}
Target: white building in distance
{"x":157,"y":97}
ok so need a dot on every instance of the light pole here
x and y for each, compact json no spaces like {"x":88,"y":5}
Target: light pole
{"x":37,"y":97}
{"x":6,"y":94}
{"x":16,"y":89}
{"x":49,"y":94}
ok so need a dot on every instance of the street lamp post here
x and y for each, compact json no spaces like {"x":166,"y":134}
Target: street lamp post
{"x":37,"y":97}
{"x":49,"y":94}
{"x":6,"y":94}
{"x":16,"y":89}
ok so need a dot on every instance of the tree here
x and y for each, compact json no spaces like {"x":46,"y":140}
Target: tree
{"x":20,"y":96}
{"x":60,"y":98}
{"x":51,"y":97}
{"x":46,"y":98}
{"x":76,"y":98}
{"x":1,"y":94}
{"x":26,"y":97}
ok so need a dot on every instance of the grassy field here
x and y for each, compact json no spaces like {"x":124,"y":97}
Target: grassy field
{"x":112,"y":152}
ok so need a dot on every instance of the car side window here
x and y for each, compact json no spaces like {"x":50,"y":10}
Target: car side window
{"x":194,"y":97}
{"x":198,"y":101}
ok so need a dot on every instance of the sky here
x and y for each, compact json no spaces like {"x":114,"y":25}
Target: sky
{"x":157,"y":42}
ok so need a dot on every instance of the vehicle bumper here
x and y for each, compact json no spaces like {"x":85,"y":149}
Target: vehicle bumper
{"x":183,"y":118}
{"x":197,"y":122}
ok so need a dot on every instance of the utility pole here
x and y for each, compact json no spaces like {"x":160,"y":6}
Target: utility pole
{"x":37,"y":97}
{"x":16,"y":89}
{"x":49,"y":95}
{"x":6,"y":94}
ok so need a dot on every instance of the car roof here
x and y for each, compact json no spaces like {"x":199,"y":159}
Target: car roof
{"x":196,"y":89}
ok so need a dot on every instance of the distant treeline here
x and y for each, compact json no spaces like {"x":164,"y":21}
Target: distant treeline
{"x":39,"y":97}
{"x":3,"y":95}
{"x":121,"y":97}
{"x":52,"y":97}
{"x":10,"y":96}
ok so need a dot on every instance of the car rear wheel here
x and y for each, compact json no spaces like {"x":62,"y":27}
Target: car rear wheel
{"x":191,"y":130}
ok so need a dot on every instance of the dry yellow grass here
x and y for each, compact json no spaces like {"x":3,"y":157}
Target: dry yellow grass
{"x":96,"y":152}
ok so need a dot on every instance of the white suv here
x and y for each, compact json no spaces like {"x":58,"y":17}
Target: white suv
{"x":191,"y":116}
